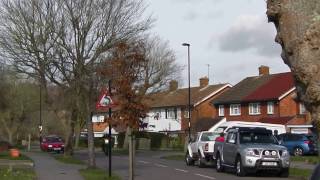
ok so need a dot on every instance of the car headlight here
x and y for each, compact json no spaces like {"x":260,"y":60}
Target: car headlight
{"x":252,"y":152}
{"x":50,"y":146}
{"x":62,"y":145}
{"x":285,"y":153}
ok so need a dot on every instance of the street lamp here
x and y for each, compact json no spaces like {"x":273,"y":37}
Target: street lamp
{"x":189,"y":91}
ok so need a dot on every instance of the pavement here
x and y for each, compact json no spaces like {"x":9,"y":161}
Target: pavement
{"x":150,"y":166}
{"x":47,"y":168}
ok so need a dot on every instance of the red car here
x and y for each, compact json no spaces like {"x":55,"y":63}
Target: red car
{"x":52,"y":143}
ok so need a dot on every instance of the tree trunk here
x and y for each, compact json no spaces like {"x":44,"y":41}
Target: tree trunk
{"x":10,"y":137}
{"x":126,"y":138}
{"x":298,"y":32}
{"x":77,"y":133}
{"x":91,"y":155}
{"x":68,"y":149}
{"x":131,"y":159}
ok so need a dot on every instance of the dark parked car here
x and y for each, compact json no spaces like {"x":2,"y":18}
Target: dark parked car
{"x":52,"y":143}
{"x":298,"y":144}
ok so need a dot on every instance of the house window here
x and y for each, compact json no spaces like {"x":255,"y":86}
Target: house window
{"x":171,"y":113}
{"x":221,"y":110}
{"x":302,"y":108}
{"x":254,"y":108}
{"x":157,"y":114}
{"x":186,"y":113}
{"x":270,"y":108}
{"x":235,"y":109}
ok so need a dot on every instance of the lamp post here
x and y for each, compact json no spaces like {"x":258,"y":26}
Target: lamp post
{"x":189,"y":91}
{"x":40,"y":114}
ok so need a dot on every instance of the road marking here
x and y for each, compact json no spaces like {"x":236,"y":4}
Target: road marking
{"x":144,"y":162}
{"x":204,"y":176}
{"x":160,"y":165}
{"x":182,"y":170}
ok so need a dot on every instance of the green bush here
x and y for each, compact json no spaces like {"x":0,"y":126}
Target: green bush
{"x":121,"y":137}
{"x":156,"y":139}
{"x":98,"y":142}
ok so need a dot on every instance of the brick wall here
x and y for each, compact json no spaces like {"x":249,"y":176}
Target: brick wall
{"x":288,"y":106}
{"x":245,"y":112}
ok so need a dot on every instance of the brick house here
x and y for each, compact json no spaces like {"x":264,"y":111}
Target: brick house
{"x":268,"y":98}
{"x":168,"y":109}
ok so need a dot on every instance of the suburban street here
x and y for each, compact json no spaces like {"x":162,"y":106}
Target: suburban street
{"x":150,"y":166}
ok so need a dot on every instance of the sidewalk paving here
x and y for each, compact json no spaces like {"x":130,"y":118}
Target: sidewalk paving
{"x":47,"y":168}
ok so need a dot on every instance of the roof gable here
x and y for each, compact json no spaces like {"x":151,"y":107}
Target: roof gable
{"x":258,"y":88}
{"x":278,"y":85}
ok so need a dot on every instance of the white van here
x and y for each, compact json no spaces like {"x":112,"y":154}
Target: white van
{"x":223,"y":127}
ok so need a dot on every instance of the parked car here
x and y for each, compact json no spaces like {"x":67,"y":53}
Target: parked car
{"x":250,"y":150}
{"x":52,"y":143}
{"x":298,"y":144}
{"x":200,"y":149}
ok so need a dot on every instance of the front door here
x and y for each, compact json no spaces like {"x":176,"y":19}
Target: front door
{"x":230,"y":149}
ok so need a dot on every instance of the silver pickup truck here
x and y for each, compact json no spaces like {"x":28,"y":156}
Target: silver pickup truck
{"x":250,"y":150}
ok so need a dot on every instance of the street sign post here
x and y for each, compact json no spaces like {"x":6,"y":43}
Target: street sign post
{"x":106,"y":103}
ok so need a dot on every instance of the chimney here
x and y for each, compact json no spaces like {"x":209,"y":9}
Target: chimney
{"x":173,"y":85}
{"x":263,"y":70}
{"x":204,"y":82}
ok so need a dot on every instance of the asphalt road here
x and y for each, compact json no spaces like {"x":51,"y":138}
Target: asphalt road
{"x":149,"y":166}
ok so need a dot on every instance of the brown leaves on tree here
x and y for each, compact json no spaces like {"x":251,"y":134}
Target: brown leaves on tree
{"x":124,"y":68}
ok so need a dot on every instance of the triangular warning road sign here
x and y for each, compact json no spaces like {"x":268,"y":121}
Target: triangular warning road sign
{"x":105,"y":101}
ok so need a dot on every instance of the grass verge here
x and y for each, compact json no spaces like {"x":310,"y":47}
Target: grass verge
{"x":17,"y":174}
{"x":307,"y":159}
{"x":176,"y":157}
{"x":96,"y":174}
{"x":6,"y":155}
{"x":68,"y":159}
{"x":302,"y":174}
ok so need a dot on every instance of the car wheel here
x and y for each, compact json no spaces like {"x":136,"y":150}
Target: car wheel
{"x":239,"y":168}
{"x":219,"y":166}
{"x":201,"y":164}
{"x":298,"y":151}
{"x":284,"y":173}
{"x":189,"y":160}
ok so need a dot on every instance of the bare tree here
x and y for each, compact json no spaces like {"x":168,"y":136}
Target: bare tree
{"x":160,"y":66}
{"x":18,"y":101}
{"x":298,"y":32}
{"x":80,"y":33}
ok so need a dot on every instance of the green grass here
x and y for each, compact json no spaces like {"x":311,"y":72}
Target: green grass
{"x":68,"y":159}
{"x":17,"y":174}
{"x":97,"y":174}
{"x":302,"y":174}
{"x":177,"y":157}
{"x":307,"y":159}
{"x":120,"y":152}
{"x":6,"y":155}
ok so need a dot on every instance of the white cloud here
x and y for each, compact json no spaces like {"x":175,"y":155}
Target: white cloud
{"x":250,"y":32}
{"x":190,"y":16}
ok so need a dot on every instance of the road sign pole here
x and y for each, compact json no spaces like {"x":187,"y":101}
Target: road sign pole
{"x":110,"y":137}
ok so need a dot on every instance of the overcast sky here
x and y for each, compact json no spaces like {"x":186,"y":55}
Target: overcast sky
{"x":233,"y":36}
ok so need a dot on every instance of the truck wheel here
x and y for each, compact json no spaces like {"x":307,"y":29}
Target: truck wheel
{"x":219,"y":166}
{"x":201,"y":164}
{"x":239,"y":168}
{"x":189,"y":160}
{"x":284,"y":173}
